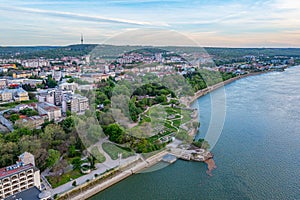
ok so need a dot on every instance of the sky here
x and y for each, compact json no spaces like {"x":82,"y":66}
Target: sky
{"x":216,"y":23}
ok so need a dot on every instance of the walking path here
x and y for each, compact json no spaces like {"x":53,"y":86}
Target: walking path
{"x":101,"y":168}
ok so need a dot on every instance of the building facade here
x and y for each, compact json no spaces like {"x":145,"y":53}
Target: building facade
{"x":53,"y":112}
{"x":75,"y":103}
{"x":19,"y":177}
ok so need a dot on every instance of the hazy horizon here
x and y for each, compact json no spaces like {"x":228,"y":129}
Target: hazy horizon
{"x":59,"y":46}
{"x":216,"y":23}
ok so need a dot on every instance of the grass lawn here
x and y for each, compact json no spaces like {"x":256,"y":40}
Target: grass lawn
{"x":60,"y":180}
{"x":159,"y":116}
{"x":177,"y":122}
{"x":113,"y":151}
{"x":8,"y":105}
{"x":186,"y":116}
{"x":98,"y":155}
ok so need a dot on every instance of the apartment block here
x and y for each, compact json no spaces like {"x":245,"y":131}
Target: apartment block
{"x":53,"y":112}
{"x":19,"y":177}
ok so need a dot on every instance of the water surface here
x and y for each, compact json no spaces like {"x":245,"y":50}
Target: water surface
{"x":257,"y":154}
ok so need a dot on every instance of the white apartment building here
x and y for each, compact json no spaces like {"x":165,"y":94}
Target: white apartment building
{"x":75,"y":103}
{"x":19,"y":177}
{"x":68,"y":86}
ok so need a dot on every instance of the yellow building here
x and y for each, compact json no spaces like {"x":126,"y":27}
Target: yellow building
{"x":22,"y":74}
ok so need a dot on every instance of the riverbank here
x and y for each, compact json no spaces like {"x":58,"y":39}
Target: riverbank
{"x":247,"y":157}
{"x":209,"y":89}
{"x":93,"y":187}
{"x":108,"y":179}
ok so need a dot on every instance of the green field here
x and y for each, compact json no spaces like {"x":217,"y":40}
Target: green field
{"x":161,"y":121}
{"x":98,"y":155}
{"x":113,"y":151}
{"x":56,"y":181}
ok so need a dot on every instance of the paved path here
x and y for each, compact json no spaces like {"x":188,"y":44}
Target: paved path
{"x":100,"y":168}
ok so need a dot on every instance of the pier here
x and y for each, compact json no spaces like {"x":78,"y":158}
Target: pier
{"x":199,"y":155}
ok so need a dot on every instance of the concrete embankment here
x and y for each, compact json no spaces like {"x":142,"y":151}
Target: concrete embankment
{"x":91,"y":188}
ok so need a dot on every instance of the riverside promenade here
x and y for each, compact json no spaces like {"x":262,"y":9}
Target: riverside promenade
{"x":124,"y":171}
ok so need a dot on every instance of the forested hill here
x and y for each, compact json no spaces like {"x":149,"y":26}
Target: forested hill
{"x":109,"y":51}
{"x":46,"y":51}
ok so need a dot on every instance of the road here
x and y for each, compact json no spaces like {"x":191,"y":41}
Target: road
{"x":6,"y":122}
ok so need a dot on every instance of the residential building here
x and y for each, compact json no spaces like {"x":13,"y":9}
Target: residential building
{"x":32,"y":193}
{"x":19,"y":177}
{"x":32,"y":122}
{"x":22,"y":74}
{"x":3,"y":83}
{"x":6,"y":95}
{"x":56,"y":75}
{"x":20,"y":94}
{"x":9,"y":66}
{"x":53,"y":112}
{"x":75,"y":103}
{"x":68,"y":86}
{"x":46,"y":96}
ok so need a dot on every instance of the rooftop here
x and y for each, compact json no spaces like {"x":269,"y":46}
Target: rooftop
{"x":7,"y":171}
{"x":31,"y":193}
{"x":48,"y":107}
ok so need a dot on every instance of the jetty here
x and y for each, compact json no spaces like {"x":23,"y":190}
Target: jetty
{"x":199,"y":155}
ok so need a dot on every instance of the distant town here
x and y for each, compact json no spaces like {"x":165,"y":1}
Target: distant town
{"x":43,"y":97}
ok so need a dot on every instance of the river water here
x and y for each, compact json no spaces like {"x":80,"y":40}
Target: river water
{"x":257,"y":153}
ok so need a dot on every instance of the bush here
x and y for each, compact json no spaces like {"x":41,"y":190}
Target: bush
{"x":74,"y":183}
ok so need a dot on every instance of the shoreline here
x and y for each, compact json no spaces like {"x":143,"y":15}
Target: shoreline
{"x":111,"y":179}
{"x":212,"y":88}
{"x":129,"y":170}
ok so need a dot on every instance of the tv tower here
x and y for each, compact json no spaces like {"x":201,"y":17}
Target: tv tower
{"x":81,"y":39}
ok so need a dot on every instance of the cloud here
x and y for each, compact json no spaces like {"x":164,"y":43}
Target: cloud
{"x":82,"y":17}
{"x":211,"y":22}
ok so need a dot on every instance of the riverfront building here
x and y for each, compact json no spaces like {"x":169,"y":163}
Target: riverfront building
{"x":21,"y":178}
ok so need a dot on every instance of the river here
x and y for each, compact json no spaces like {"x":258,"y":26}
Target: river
{"x":257,"y":153}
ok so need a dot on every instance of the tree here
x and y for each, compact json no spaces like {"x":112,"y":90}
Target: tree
{"x":161,"y":99}
{"x":68,"y":113}
{"x":74,"y":183}
{"x":29,"y":112}
{"x":51,"y":83}
{"x":8,"y":152}
{"x":53,"y":157}
{"x":76,"y":162}
{"x":59,"y":168}
{"x":172,"y":102}
{"x":14,"y":117}
{"x":71,"y":80}
{"x":68,"y":124}
{"x":30,"y":144}
{"x":53,"y":135}
{"x":116,"y":134}
{"x":201,"y":143}
{"x":72,"y":151}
